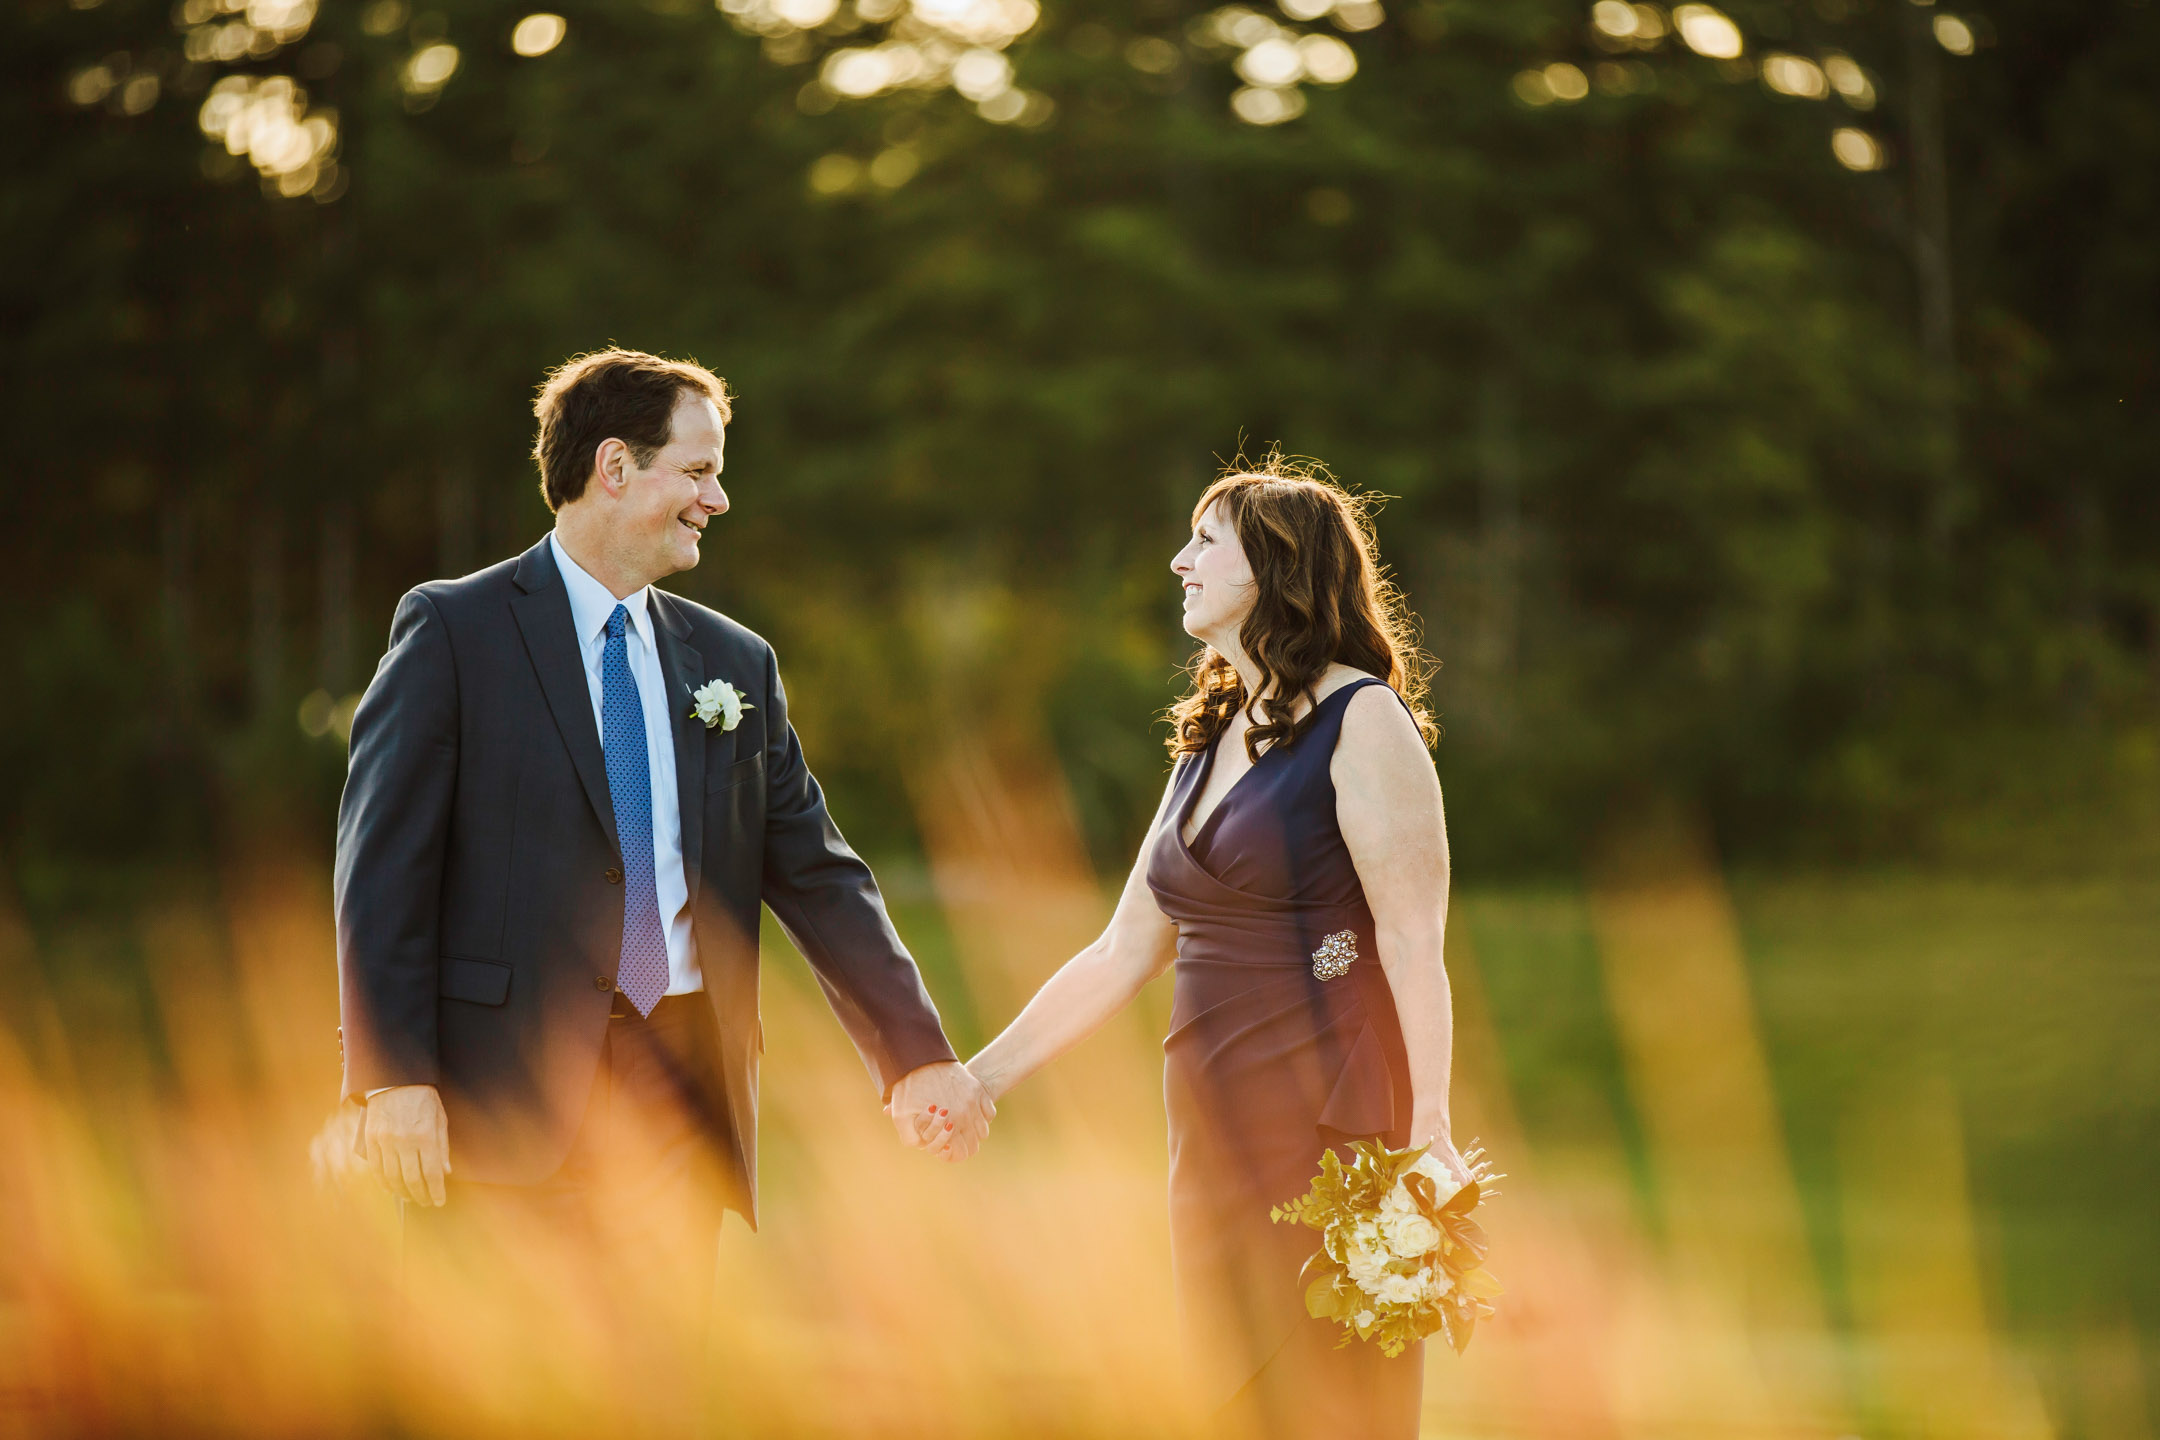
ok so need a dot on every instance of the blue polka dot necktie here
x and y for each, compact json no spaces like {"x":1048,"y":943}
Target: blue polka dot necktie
{"x":642,"y":973}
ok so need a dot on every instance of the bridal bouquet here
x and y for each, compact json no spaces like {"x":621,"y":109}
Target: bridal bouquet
{"x":1399,"y":1258}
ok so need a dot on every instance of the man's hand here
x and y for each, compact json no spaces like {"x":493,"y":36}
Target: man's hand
{"x":335,"y":1154}
{"x":942,"y":1108}
{"x":407,"y":1140}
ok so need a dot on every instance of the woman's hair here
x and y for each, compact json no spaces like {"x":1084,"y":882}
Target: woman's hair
{"x":1322,"y":598}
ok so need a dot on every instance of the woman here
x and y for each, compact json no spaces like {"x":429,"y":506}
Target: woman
{"x":1302,"y":816}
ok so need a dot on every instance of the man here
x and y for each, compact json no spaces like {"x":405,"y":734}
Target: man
{"x":555,"y":836}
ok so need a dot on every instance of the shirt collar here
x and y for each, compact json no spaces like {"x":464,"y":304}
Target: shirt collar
{"x":591,"y":603}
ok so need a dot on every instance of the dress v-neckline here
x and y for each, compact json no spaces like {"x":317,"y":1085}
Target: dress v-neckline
{"x":1207,"y":769}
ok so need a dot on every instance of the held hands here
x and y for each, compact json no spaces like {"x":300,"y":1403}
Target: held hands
{"x":941,"y":1108}
{"x":406,"y":1138}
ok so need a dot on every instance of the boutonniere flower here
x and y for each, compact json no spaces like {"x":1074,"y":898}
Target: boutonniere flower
{"x":718,"y":703}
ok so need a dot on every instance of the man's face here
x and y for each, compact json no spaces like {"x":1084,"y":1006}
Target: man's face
{"x":664,"y":506}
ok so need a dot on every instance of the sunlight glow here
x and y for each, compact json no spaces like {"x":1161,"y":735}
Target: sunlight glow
{"x":858,"y":72}
{"x":1257,"y":105}
{"x":1567,"y":83}
{"x":1243,"y":28}
{"x":1795,"y":75}
{"x":1856,"y":149}
{"x":1708,"y":31}
{"x":806,"y":14}
{"x":1849,"y":80}
{"x":835,"y":174}
{"x":90,"y":85}
{"x":268,"y":121}
{"x":384,"y":17}
{"x":1616,"y":18}
{"x":538,"y":34}
{"x":430,"y":68}
{"x":1357,"y":15}
{"x":1326,"y":59}
{"x":929,"y":43}
{"x":1274,"y":62}
{"x":1152,"y":55}
{"x":980,"y":74}
{"x":1004,"y":108}
{"x":890,"y":169}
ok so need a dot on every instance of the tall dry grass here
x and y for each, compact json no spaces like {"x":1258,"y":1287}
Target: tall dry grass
{"x":173,"y":1265}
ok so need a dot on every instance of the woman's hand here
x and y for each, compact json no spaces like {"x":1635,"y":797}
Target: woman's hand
{"x":1434,"y":1133}
{"x":986,"y":1075}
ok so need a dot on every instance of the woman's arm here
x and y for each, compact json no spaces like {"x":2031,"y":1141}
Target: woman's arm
{"x":1387,"y":801}
{"x":1094,"y":985}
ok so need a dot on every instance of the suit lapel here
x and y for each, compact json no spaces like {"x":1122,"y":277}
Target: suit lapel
{"x":543,"y":616}
{"x":684,"y":669}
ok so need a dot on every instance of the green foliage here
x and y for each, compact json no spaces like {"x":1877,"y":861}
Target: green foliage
{"x":1643,"y":374}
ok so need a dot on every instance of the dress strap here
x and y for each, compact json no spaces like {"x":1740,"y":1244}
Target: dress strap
{"x":1325,"y":720}
{"x":1361,"y":683}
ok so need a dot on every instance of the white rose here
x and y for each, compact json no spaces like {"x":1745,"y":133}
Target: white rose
{"x":1367,"y":1264}
{"x":1365,"y":1319}
{"x":1411,"y":1234}
{"x":1399,"y":1290}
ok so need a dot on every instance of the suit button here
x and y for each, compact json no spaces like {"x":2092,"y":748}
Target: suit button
{"x":612,"y":875}
{"x":601,"y":982}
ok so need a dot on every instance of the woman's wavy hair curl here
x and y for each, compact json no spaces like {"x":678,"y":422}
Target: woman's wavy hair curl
{"x":1322,"y":598}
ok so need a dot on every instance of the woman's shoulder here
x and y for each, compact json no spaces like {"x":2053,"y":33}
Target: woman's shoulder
{"x":1376,"y":722}
{"x":1339,"y":677}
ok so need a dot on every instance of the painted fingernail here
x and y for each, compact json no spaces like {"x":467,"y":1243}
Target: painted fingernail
{"x":948,"y":1124}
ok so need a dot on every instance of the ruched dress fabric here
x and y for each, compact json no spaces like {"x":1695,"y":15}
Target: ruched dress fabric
{"x":1266,"y":1066}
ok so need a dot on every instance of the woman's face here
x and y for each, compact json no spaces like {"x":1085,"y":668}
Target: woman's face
{"x":1218,"y":582}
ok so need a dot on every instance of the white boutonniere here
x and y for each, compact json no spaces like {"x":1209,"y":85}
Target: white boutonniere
{"x":718,"y":703}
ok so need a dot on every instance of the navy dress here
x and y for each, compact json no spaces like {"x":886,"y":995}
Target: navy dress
{"x":1273,"y":1057}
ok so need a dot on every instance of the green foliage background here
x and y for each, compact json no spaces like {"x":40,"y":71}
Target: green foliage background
{"x":1674,"y":492}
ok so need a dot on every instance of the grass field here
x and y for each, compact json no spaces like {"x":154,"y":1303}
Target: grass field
{"x":1826,"y":1155}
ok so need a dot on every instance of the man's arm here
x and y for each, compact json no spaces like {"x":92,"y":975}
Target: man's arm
{"x":829,"y":905}
{"x":393,"y":826}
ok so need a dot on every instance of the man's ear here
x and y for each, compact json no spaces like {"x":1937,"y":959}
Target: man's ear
{"x":612,"y":464}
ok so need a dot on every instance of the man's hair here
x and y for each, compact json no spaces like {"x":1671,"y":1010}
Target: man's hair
{"x":611,"y":394}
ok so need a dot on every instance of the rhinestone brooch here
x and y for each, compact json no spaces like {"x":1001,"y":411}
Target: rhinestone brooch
{"x":1335,"y":954}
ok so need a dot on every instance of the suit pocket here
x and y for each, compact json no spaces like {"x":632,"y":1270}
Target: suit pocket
{"x":736,"y":774}
{"x":477,"y":982}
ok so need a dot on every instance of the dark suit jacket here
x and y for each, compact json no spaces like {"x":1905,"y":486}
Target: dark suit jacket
{"x":479,"y":898}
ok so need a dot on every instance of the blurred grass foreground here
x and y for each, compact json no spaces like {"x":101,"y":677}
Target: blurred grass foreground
{"x":1788,"y":1157}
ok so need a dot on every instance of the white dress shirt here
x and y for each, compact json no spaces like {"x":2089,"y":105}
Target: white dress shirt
{"x":591,"y":603}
